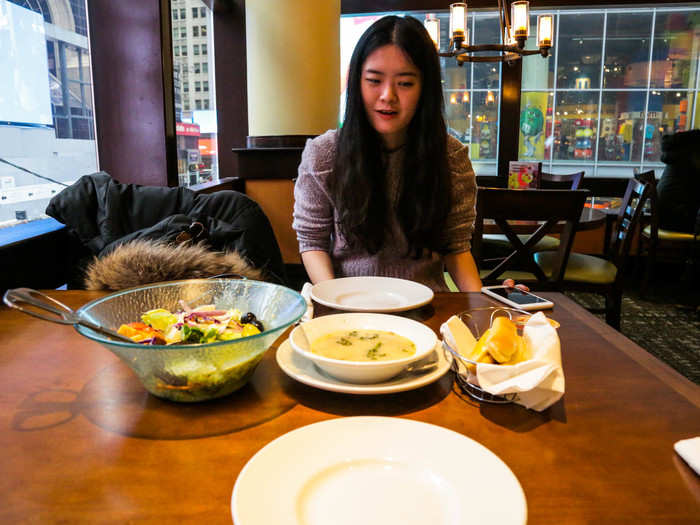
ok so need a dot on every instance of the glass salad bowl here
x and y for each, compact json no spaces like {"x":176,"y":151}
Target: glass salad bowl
{"x":187,"y":372}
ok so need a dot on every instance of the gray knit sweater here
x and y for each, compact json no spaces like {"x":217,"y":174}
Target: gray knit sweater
{"x":316,"y":218}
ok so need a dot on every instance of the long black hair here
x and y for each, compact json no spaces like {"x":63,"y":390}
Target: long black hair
{"x":358,"y":184}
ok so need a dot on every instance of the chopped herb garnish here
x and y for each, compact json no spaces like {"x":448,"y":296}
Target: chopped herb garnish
{"x":344,"y":342}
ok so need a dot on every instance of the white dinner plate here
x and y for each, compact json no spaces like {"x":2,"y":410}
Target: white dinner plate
{"x":300,"y":368}
{"x":371,"y":294}
{"x":376,"y":471}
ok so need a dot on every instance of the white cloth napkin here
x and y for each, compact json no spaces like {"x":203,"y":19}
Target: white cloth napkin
{"x":306,"y":294}
{"x":539,"y":381}
{"x":689,"y":450}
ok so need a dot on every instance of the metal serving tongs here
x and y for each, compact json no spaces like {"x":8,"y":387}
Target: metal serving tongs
{"x":62,"y":314}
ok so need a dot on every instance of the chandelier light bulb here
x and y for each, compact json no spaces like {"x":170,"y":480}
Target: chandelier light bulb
{"x":458,"y":20}
{"x":544,"y":30}
{"x":432,"y":25}
{"x":520,"y":19}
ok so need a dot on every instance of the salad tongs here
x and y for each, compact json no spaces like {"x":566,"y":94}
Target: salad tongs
{"x":23,"y":298}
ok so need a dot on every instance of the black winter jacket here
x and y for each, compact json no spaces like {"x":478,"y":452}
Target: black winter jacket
{"x":102,"y":213}
{"x":679,"y":187}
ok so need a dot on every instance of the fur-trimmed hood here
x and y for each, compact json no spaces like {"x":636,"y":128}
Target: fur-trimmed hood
{"x":141,"y":262}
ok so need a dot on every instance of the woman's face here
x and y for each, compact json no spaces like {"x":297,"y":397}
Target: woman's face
{"x":391,"y":87}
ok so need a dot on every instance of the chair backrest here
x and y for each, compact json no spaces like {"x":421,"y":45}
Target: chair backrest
{"x":639,"y":189}
{"x":551,"y":181}
{"x":557,"y":210}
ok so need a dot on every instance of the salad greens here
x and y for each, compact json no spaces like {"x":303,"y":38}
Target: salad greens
{"x":204,"y":324}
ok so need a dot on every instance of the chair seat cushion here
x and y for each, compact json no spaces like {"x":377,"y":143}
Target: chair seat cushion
{"x":546,"y":243}
{"x":516,"y":275}
{"x":581,"y":268}
{"x":668,"y":235}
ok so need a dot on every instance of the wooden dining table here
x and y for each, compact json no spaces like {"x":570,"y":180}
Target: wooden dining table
{"x":82,"y":441}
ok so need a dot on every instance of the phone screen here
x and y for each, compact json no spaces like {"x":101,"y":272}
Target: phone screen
{"x":517,"y":296}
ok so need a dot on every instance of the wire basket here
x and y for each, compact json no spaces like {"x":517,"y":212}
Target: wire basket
{"x":478,"y":320}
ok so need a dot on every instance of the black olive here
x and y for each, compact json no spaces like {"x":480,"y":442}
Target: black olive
{"x":257,"y":324}
{"x":248,"y":318}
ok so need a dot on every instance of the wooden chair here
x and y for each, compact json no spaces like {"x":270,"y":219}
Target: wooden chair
{"x":681,"y":245}
{"x":548,"y":181}
{"x":550,"y":207}
{"x":604,"y":276}
{"x":551,"y":181}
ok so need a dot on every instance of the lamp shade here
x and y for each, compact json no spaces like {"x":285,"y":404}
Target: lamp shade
{"x":519,"y":18}
{"x":458,"y":19}
{"x":545,"y":30}
{"x":432,"y":26}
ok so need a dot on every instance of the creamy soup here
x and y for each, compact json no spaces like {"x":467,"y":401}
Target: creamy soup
{"x":363,"y":345}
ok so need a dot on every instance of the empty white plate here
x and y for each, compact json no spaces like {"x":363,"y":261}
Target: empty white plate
{"x":376,"y":471}
{"x":371,"y":294}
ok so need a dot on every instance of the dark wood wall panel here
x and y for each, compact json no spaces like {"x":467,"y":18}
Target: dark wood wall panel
{"x":128,"y":69}
{"x":231,"y":82}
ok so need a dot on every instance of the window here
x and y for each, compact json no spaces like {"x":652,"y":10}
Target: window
{"x":175,"y":14}
{"x":183,"y":14}
{"x":197,"y":159}
{"x":183,"y":32}
{"x":52,"y":135}
{"x":176,"y":33}
{"x":176,"y":51}
{"x":623,"y":79}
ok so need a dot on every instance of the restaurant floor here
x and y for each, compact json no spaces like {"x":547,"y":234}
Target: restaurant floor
{"x":665,"y":321}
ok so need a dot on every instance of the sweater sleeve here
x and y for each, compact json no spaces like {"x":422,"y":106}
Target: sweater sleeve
{"x":313,"y":209}
{"x":460,"y":221}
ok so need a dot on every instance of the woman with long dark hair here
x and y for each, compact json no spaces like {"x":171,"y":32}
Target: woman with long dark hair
{"x":390,"y":193}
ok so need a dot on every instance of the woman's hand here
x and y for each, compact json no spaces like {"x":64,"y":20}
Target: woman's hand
{"x":510,"y":283}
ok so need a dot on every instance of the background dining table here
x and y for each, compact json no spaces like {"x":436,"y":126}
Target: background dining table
{"x":82,"y":441}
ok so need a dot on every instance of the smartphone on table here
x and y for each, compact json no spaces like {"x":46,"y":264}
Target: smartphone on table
{"x":516,"y":298}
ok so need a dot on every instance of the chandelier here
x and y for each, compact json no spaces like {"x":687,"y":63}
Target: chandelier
{"x":514,"y":32}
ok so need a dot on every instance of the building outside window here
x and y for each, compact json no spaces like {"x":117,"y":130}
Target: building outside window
{"x":617,"y":81}
{"x":196,"y":118}
{"x":47,"y":137}
{"x":183,"y":14}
